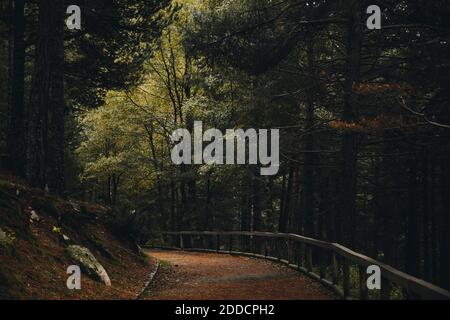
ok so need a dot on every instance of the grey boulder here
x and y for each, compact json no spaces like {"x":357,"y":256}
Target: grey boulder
{"x":88,"y":263}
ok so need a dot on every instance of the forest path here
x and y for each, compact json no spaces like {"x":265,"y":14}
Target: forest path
{"x":210,"y":276}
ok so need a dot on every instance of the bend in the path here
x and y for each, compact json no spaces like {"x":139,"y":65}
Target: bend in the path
{"x":209,"y":276}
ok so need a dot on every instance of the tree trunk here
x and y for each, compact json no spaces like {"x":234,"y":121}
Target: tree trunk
{"x":282,"y":203}
{"x":115,"y":187}
{"x":57,"y":108}
{"x":294,"y":227}
{"x":310,"y":158}
{"x":257,"y":223}
{"x":434,"y":224}
{"x":426,"y":219}
{"x":16,"y":138}
{"x":183,"y":213}
{"x":387,"y":209}
{"x":206,"y":222}
{"x":45,"y":156}
{"x":413,"y":244}
{"x":444,"y":254}
{"x":283,"y":225}
{"x":246,"y":208}
{"x":39,"y":101}
{"x":173,"y":208}
{"x":108,"y":191}
{"x":158,"y":170}
{"x":348,"y":179}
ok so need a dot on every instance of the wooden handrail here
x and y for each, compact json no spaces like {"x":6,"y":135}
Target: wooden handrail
{"x":412,"y":285}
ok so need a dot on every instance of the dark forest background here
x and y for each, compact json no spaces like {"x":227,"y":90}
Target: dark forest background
{"x":364,"y":116}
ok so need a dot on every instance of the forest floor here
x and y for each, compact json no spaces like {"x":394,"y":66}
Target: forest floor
{"x":209,"y":276}
{"x":34,"y":262}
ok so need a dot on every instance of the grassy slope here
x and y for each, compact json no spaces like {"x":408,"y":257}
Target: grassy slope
{"x":34,"y":265}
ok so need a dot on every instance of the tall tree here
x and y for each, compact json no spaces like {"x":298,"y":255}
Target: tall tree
{"x":348,"y":178}
{"x":45,"y":159}
{"x":16,"y":137}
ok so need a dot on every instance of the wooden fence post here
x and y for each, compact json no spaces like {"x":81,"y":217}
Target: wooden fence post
{"x":322,"y":266}
{"x":385,"y":289}
{"x":301,"y":258}
{"x":289,"y":251}
{"x":278,"y":249}
{"x":335,"y":269}
{"x":309,"y":258}
{"x":363,"y":290}
{"x":266,"y":253}
{"x":346,"y":280}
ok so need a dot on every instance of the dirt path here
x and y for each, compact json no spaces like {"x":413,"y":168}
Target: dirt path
{"x":209,"y":276}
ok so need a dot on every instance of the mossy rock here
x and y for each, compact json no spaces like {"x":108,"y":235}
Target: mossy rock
{"x":89,"y":264}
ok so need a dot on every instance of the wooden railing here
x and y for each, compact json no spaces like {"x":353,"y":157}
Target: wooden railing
{"x":339,"y":268}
